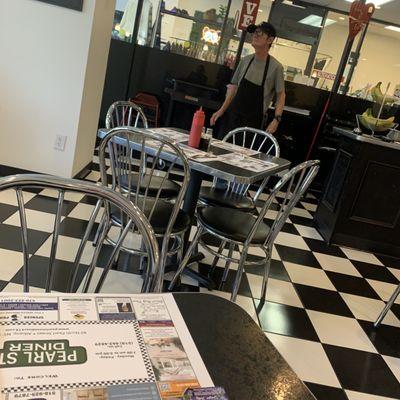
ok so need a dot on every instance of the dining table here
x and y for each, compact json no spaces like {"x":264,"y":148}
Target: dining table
{"x":141,"y":347}
{"x":225,"y":161}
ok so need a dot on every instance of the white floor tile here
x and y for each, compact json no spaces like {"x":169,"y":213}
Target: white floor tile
{"x":9,"y":197}
{"x":67,"y":249}
{"x":340,"y":331}
{"x":10,"y":263}
{"x":384,"y":289}
{"x":300,"y":212}
{"x":17,"y":288}
{"x":309,"y":206}
{"x":360,"y":256}
{"x":257,"y":251}
{"x":70,"y":196}
{"x":394,"y":365}
{"x":395,"y":272}
{"x":336,"y":264}
{"x":308,"y":359}
{"x":368,"y":309}
{"x":290,"y":240}
{"x":84,"y":211}
{"x":93,"y":176}
{"x":308,"y":276}
{"x":118,"y":282}
{"x":277,"y":291}
{"x":364,"y":396}
{"x":308,"y":232}
{"x":38,"y":220}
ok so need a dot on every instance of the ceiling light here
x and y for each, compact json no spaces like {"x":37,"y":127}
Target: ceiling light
{"x":342,"y":18}
{"x":393,"y":28}
{"x":377,"y":3}
{"x":316,"y":20}
{"x":290,"y":3}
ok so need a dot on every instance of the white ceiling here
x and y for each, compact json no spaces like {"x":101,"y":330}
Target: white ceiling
{"x":389,"y":12}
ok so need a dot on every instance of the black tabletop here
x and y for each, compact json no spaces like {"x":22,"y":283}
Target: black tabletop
{"x":238,"y":355}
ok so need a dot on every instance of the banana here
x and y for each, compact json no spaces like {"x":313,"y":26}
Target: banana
{"x":378,"y":125}
{"x":377,"y":95}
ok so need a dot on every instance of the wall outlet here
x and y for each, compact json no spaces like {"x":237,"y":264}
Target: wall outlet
{"x":59,"y":144}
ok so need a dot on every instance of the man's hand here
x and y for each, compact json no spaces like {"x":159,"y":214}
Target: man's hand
{"x":272,"y":127}
{"x":216,"y":116}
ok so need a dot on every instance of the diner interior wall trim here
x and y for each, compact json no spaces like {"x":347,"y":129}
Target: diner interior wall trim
{"x":49,"y":60}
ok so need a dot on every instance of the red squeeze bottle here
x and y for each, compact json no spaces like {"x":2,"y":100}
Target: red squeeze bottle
{"x":197,"y":128}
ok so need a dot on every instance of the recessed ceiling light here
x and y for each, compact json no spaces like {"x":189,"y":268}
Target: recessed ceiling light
{"x":316,"y":20}
{"x":342,"y":18}
{"x":290,"y":3}
{"x":376,"y":2}
{"x":393,"y":28}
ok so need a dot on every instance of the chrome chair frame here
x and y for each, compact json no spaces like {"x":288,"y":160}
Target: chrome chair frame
{"x":125,"y":113}
{"x":305,"y":174}
{"x":120,"y":145}
{"x":387,"y":307}
{"x":250,"y":136}
{"x":105,"y":197}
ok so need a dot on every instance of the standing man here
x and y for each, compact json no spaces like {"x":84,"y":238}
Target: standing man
{"x":256,"y":81}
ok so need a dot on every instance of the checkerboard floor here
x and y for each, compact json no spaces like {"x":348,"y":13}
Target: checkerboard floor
{"x":321,"y":300}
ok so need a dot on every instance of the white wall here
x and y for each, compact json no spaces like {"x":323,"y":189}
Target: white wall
{"x":47,"y":61}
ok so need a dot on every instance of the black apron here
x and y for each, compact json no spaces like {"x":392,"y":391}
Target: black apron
{"x":247,"y":107}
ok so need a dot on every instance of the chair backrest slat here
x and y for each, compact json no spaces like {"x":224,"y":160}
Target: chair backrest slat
{"x":104,"y":197}
{"x":125,"y":113}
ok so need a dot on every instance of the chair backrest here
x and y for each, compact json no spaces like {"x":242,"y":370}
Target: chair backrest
{"x":292,"y":186}
{"x":103,"y":197}
{"x":125,"y":113}
{"x":252,"y":139}
{"x":136,"y":156}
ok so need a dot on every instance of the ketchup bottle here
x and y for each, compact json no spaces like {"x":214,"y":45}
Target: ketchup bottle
{"x":197,"y":128}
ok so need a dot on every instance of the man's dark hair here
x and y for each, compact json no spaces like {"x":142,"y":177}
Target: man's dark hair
{"x":266,"y":27}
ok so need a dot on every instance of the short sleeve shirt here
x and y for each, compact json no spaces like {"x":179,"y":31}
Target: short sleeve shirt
{"x":274,"y":83}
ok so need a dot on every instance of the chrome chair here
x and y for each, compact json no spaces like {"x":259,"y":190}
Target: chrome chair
{"x":125,"y":113}
{"x":169,"y":222}
{"x":239,"y":228}
{"x":236,"y":195}
{"x":128,"y":114}
{"x":105,"y":198}
{"x":387,"y":307}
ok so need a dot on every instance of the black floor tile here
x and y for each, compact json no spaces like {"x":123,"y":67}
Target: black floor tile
{"x":244,"y":288}
{"x":297,"y":256}
{"x":362,"y":372}
{"x":376,"y":272}
{"x":3,"y":284}
{"x":396,"y":310}
{"x":39,"y":267}
{"x":76,"y":228}
{"x":49,"y":205}
{"x":277,"y":270}
{"x":352,"y":284}
{"x":320,"y":246}
{"x":6,"y":211}
{"x":89,"y":200}
{"x":287,"y":227}
{"x":302,"y":220}
{"x":181,"y":288}
{"x":286,"y":320}
{"x":391,"y":262}
{"x":385,"y":338}
{"x":322,"y":392}
{"x":323,"y":300}
{"x":10,"y":238}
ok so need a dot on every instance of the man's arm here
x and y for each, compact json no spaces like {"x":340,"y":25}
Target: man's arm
{"x":230,"y":94}
{"x":280,"y":100}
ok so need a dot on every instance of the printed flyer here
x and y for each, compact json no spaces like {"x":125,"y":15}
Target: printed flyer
{"x":82,"y":347}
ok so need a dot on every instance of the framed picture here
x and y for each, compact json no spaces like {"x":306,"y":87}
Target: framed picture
{"x":73,"y":4}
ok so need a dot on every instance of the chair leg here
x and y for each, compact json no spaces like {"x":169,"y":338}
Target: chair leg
{"x":228,"y":263}
{"x":267,"y":270}
{"x":186,"y":258}
{"x":239,"y":275}
{"x":98,"y":232}
{"x":215,"y":261}
{"x":387,"y":307}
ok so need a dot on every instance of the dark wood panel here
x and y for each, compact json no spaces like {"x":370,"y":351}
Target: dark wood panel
{"x":377,"y":201}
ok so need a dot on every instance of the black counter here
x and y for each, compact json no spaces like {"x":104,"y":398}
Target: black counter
{"x":360,"y":206}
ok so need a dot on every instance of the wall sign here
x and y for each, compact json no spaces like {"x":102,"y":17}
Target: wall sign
{"x":248,"y":14}
{"x":73,"y":4}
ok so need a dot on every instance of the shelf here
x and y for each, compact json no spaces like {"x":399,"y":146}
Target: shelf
{"x":201,"y":21}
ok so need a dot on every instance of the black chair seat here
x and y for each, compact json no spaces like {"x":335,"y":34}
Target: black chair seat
{"x":170,"y":189}
{"x":232,"y":224}
{"x":160,"y":217}
{"x":221,"y":198}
